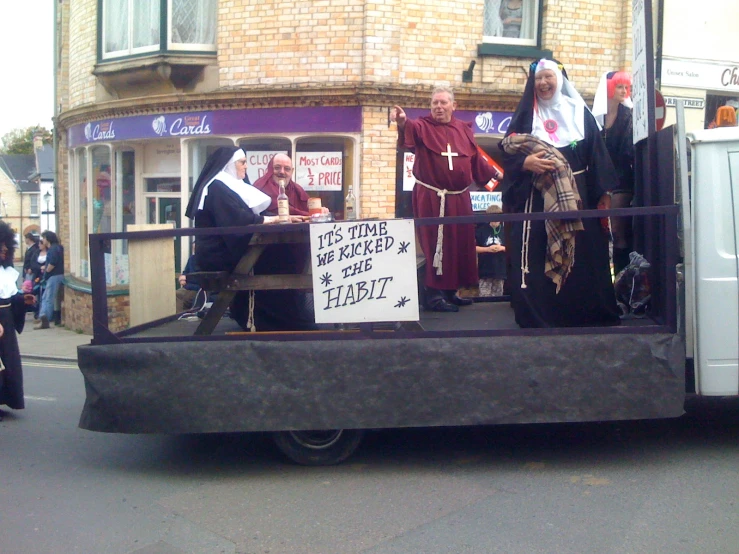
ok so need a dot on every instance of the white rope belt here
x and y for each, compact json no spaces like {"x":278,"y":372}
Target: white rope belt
{"x":441,"y":193}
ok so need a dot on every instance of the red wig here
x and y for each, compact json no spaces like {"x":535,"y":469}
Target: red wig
{"x":618,"y":78}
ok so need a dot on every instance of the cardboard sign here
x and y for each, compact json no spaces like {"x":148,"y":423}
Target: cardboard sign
{"x":364,"y":271}
{"x":257,"y":162}
{"x":316,"y":171}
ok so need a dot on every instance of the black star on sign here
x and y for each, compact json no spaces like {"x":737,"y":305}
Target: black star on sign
{"x":403,"y":247}
{"x":402,"y":302}
{"x":326,"y":279}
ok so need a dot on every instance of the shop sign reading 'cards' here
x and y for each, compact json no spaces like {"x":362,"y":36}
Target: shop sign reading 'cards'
{"x":364,"y":271}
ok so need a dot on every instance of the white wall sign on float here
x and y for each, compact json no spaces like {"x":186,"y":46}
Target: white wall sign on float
{"x":364,"y":271}
{"x":482,"y":199}
{"x":257,"y":162}
{"x":408,"y":179}
{"x":316,"y":171}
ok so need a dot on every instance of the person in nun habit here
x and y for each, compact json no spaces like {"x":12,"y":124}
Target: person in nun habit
{"x":221,"y":198}
{"x":555,"y":160}
{"x":612,"y":110}
{"x":12,"y":319}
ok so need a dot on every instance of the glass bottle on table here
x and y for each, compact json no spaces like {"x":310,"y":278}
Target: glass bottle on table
{"x":283,"y":204}
{"x":350,"y":205}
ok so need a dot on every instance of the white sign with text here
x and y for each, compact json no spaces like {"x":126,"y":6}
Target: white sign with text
{"x":364,"y":271}
{"x":639,"y":88}
{"x":257,"y":162}
{"x":316,"y":171}
{"x":408,"y":179}
{"x":482,"y":199}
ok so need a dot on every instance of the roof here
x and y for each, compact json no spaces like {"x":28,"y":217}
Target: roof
{"x":719,"y":134}
{"x":19,"y":167}
{"x":45,"y":157}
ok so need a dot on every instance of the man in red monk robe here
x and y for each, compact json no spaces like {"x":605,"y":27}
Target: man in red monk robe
{"x":447,"y":162}
{"x":281,"y":168}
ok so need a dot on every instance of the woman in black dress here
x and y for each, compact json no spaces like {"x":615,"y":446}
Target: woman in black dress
{"x":12,"y":319}
{"x":612,"y":109}
{"x":553,"y":114}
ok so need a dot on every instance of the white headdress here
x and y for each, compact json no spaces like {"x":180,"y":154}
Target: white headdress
{"x":252,"y":197}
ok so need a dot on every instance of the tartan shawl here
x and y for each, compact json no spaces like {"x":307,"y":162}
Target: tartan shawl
{"x":560,"y":194}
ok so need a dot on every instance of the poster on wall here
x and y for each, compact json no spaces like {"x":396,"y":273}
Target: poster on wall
{"x":482,"y":199}
{"x":364,"y":271}
{"x":319,"y":171}
{"x":408,"y":179}
{"x":257,"y":162}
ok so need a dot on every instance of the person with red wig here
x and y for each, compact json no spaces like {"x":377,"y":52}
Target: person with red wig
{"x":612,"y":108}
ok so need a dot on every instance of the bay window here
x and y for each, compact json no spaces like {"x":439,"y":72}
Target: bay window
{"x":137,"y":27}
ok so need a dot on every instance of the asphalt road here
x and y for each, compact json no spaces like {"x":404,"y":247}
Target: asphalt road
{"x":641,"y":487}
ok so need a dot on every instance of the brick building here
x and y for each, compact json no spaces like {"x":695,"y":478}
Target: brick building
{"x":146,"y":90}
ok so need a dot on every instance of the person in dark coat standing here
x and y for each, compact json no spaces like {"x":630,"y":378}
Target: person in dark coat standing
{"x":12,"y":319}
{"x":31,"y":267}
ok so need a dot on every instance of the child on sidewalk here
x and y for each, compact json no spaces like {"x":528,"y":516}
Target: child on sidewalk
{"x":491,"y":260}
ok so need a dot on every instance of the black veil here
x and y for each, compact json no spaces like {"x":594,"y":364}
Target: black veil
{"x":213,"y":165}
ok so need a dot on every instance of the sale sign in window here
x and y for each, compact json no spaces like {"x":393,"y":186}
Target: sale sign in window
{"x":319,"y":171}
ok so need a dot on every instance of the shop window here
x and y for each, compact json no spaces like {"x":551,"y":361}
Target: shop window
{"x":260,"y":151}
{"x":198,"y":152}
{"x":324,"y":167}
{"x":101,"y":181}
{"x":81,"y":220}
{"x":131,"y":27}
{"x":124,"y":211}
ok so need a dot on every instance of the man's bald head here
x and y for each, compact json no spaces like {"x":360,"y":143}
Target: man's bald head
{"x":282,"y":167}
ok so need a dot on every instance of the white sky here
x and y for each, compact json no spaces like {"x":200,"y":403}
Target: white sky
{"x":26,"y":64}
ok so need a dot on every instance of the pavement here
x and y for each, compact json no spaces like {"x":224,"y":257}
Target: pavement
{"x":52,"y":344}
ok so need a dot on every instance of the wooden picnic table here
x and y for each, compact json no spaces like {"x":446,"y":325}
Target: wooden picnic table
{"x":228,"y":284}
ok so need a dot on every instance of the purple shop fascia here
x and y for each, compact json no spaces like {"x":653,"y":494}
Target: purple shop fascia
{"x":254,"y":122}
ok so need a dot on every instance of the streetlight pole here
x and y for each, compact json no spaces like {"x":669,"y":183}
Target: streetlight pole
{"x":47,"y":198}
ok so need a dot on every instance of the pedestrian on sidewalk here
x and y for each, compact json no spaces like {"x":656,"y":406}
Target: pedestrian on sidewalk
{"x":53,"y":277}
{"x":12,"y":319}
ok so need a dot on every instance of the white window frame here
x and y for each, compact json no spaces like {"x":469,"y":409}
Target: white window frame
{"x":164,"y":19}
{"x":31,"y":211}
{"x":190,"y":47}
{"x":534,"y":21}
{"x":130,"y":51}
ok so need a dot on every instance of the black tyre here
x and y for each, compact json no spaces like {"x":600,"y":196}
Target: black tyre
{"x":318,"y":448}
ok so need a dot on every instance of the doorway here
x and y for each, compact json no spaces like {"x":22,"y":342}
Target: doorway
{"x":163,"y":205}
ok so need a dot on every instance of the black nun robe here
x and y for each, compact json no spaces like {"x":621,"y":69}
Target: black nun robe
{"x":223,"y":207}
{"x":12,"y":318}
{"x":587,"y":297}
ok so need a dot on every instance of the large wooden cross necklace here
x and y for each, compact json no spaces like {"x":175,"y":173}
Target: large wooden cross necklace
{"x":449,"y":155}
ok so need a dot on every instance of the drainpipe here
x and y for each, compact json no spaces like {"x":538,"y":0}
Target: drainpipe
{"x":55,"y":142}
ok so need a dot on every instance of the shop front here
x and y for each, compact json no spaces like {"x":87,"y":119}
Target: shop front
{"x":141,"y":169}
{"x":702,"y":86}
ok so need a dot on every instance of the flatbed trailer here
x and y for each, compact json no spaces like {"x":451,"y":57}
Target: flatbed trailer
{"x":317,"y":391}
